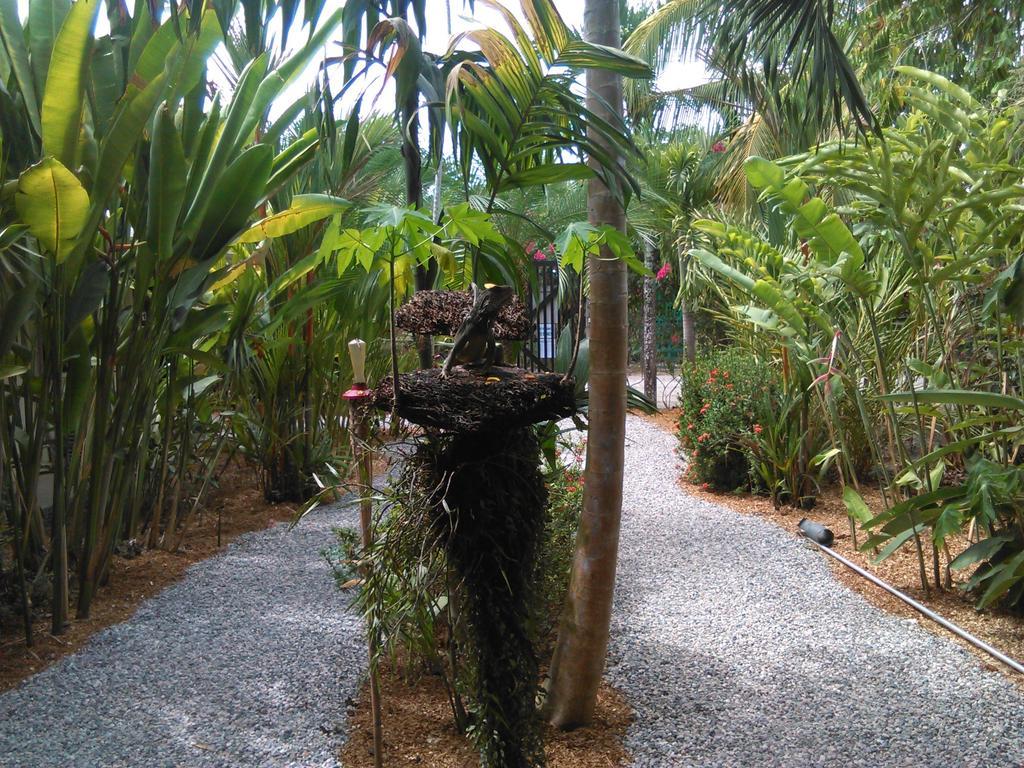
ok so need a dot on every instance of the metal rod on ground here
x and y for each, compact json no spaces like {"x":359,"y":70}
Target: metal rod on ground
{"x":359,"y":403}
{"x":822,"y":538}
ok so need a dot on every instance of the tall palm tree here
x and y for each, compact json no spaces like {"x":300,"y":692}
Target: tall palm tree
{"x":754,"y":27}
{"x":578,"y":661}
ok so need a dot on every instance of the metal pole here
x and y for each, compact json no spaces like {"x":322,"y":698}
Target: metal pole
{"x":1016,"y":666}
{"x":359,"y":412}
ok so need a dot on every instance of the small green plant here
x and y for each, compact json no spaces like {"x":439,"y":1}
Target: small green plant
{"x":780,"y":448}
{"x":554,"y":557}
{"x":343,"y":556}
{"x":723,"y":398}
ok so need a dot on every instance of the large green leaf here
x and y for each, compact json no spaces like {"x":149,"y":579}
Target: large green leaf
{"x":65,"y":82}
{"x":762,"y":173}
{"x":10,"y":370}
{"x":304,"y":210}
{"x":958,"y":397}
{"x":15,"y":314}
{"x":982,"y":550}
{"x":12,"y":36}
{"x":241,"y":187}
{"x":45,"y":18}
{"x":137,"y":107}
{"x":855,"y":505}
{"x":52,"y":202}
{"x":167,"y":175}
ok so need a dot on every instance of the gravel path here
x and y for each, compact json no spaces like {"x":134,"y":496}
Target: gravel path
{"x":248,"y":661}
{"x":738,"y":647}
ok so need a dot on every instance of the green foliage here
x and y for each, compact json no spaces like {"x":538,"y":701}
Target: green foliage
{"x":513,"y":109}
{"x":343,"y":557}
{"x":890,"y":305}
{"x":725,"y":397}
{"x":554,"y":558}
{"x":119,"y":236}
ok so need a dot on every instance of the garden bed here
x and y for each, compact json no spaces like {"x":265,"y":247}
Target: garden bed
{"x":418,"y":730}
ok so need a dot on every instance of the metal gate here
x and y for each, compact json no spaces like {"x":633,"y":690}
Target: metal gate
{"x":539,"y":351}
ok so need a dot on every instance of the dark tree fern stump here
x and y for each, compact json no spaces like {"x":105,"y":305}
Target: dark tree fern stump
{"x":477,"y":472}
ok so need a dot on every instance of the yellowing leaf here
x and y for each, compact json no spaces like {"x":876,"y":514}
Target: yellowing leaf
{"x":53,"y":204}
{"x":304,"y":210}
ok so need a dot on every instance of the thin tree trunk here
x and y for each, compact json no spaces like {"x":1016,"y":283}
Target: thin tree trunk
{"x":689,"y":332}
{"x":650,"y":350}
{"x":579,"y":657}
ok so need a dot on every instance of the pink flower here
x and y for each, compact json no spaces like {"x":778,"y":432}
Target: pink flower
{"x":665,"y":271}
{"x":718,"y":147}
{"x":539,"y":256}
{"x":757,"y":429}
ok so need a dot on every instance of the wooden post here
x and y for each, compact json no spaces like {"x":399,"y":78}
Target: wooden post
{"x":360,"y":403}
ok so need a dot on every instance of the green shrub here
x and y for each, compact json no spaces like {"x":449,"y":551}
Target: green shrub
{"x":554,"y":557}
{"x":724,"y":400}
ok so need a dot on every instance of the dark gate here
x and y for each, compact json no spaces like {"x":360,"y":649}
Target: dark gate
{"x":539,"y":352}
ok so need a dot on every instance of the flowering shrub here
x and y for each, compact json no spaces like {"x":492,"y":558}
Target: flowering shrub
{"x":724,"y":402}
{"x":538,"y":252}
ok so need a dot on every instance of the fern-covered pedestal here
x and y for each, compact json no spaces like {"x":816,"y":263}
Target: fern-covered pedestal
{"x":477,"y":467}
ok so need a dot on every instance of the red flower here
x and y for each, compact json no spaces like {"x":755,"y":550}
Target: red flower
{"x":757,"y":429}
{"x":665,"y":271}
{"x":718,"y":147}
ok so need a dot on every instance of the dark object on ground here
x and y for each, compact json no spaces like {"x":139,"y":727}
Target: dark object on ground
{"x":506,"y":398}
{"x":816,"y":532}
{"x":440,"y":313}
{"x":474,"y":344}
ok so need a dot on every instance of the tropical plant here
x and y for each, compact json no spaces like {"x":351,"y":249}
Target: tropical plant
{"x":116,"y":222}
{"x":920,"y":295}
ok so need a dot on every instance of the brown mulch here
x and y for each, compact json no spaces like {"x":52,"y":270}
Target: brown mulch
{"x":999,"y":629}
{"x":418,"y":730}
{"x":240,"y":504}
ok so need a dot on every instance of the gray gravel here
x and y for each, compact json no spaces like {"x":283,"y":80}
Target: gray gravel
{"x":738,"y":647}
{"x":248,"y":661}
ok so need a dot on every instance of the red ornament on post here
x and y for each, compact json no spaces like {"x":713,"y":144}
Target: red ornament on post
{"x":359,"y":399}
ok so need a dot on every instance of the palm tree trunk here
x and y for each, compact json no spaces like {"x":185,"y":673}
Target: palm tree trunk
{"x":579,"y":657}
{"x":425,"y":273}
{"x":650,"y":350}
{"x":689,"y":333}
